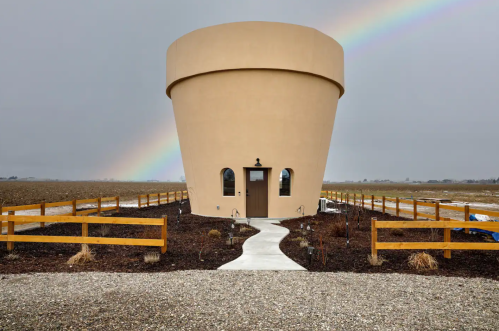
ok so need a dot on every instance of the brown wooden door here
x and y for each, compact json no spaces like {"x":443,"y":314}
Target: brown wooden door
{"x":257,"y":193}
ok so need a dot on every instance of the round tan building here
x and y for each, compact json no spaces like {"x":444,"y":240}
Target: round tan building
{"x":254,"y":106}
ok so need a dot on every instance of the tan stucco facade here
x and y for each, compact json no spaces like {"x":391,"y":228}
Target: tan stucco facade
{"x":248,"y":90}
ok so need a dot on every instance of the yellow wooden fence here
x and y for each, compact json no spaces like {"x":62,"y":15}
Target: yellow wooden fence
{"x":446,"y":245}
{"x":13,"y":220}
{"x":359,"y":200}
{"x":157,"y":198}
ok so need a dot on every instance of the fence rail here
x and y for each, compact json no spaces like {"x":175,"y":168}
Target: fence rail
{"x":12,"y":220}
{"x":156,"y":198}
{"x":359,"y":199}
{"x":446,"y":245}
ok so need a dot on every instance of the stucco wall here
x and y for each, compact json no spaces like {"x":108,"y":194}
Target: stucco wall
{"x":254,"y":89}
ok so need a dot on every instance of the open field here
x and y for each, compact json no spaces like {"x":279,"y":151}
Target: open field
{"x":25,"y":193}
{"x":484,"y":194}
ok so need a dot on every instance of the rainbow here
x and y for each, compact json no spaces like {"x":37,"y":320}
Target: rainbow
{"x":384,"y":20}
{"x":158,"y":155}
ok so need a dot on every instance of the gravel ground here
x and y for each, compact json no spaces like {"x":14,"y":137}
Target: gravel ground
{"x":233,"y":300}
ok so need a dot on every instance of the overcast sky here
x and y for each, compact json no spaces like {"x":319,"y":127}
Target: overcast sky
{"x":82,"y":84}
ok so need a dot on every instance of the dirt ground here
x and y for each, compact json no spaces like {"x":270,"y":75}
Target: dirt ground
{"x":184,"y":244}
{"x":25,"y":193}
{"x":457,"y":192}
{"x":354,"y":258}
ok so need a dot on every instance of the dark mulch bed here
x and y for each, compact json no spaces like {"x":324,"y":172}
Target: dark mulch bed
{"x":184,"y":244}
{"x":354,"y":259}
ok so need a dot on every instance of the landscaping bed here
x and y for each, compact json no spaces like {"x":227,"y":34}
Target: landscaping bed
{"x":184,"y":244}
{"x":472,"y":263}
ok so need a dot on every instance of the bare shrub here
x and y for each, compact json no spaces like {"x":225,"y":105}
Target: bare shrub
{"x":397,"y":232}
{"x":422,"y":261}
{"x":339,"y":229}
{"x":12,"y":256}
{"x":235,"y":240}
{"x":104,"y":230}
{"x":151,"y":257}
{"x":214,"y":234}
{"x":303,"y":243}
{"x":376,"y":261}
{"x":244,"y":229}
{"x":299,"y":239}
{"x":83,"y":256}
{"x":434,"y":234}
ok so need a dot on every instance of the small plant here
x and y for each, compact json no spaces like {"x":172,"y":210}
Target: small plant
{"x":376,"y":261}
{"x":299,"y":239}
{"x":303,"y":243}
{"x":84,"y":256}
{"x":397,"y":232}
{"x":104,"y":230}
{"x":152,"y":257}
{"x":235,"y":240}
{"x":214,"y":234}
{"x":316,"y":222}
{"x":12,"y":256}
{"x":339,"y":229}
{"x":244,"y":229}
{"x":422,"y":261}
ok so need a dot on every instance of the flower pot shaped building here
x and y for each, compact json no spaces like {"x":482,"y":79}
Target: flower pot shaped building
{"x":254,"y":106}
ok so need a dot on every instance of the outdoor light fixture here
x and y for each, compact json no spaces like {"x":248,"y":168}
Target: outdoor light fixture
{"x":310,"y":252}
{"x":308,"y":227}
{"x":258,"y":162}
{"x":232,"y":225}
{"x":301,"y":226}
{"x":301,"y":210}
{"x":232,"y":212}
{"x":248,"y":220}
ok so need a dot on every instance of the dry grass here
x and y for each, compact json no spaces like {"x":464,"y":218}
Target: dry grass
{"x":244,"y":229}
{"x":104,"y":230}
{"x":397,"y":232}
{"x":299,"y":239}
{"x":83,"y":256}
{"x":316,"y":222}
{"x":214,"y":234}
{"x":235,"y":240}
{"x":376,"y":261}
{"x":422,"y":261}
{"x":151,"y":257}
{"x":12,"y":256}
{"x":304,"y":244}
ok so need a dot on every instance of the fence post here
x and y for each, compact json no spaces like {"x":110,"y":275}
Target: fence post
{"x":117,"y":204}
{"x":163,"y":235}
{"x":397,"y":209}
{"x":99,"y":205}
{"x":415,"y":211}
{"x":362,"y":200}
{"x":175,"y":195}
{"x":336,"y":197}
{"x":354,"y":198}
{"x":42,"y":213}
{"x":384,"y":204}
{"x":159,"y":199}
{"x":374,"y":238}
{"x":437,"y":211}
{"x":74,"y":207}
{"x":167,"y":197}
{"x":466,"y":217}
{"x":341,"y":197}
{"x":1,"y":213}
{"x":84,"y":228}
{"x":447,"y":239}
{"x":347,"y":198}
{"x":148,"y":200}
{"x":372,"y":202}
{"x":10,"y":230}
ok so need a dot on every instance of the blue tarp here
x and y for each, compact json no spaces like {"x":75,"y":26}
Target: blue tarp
{"x":495,"y":235}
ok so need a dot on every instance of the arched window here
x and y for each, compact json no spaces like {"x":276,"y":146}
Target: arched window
{"x":229,"y":183}
{"x":285,"y":183}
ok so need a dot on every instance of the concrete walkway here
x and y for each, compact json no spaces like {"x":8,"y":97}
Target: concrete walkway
{"x":261,"y":252}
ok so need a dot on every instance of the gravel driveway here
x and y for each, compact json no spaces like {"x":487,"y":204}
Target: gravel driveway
{"x":250,"y":300}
